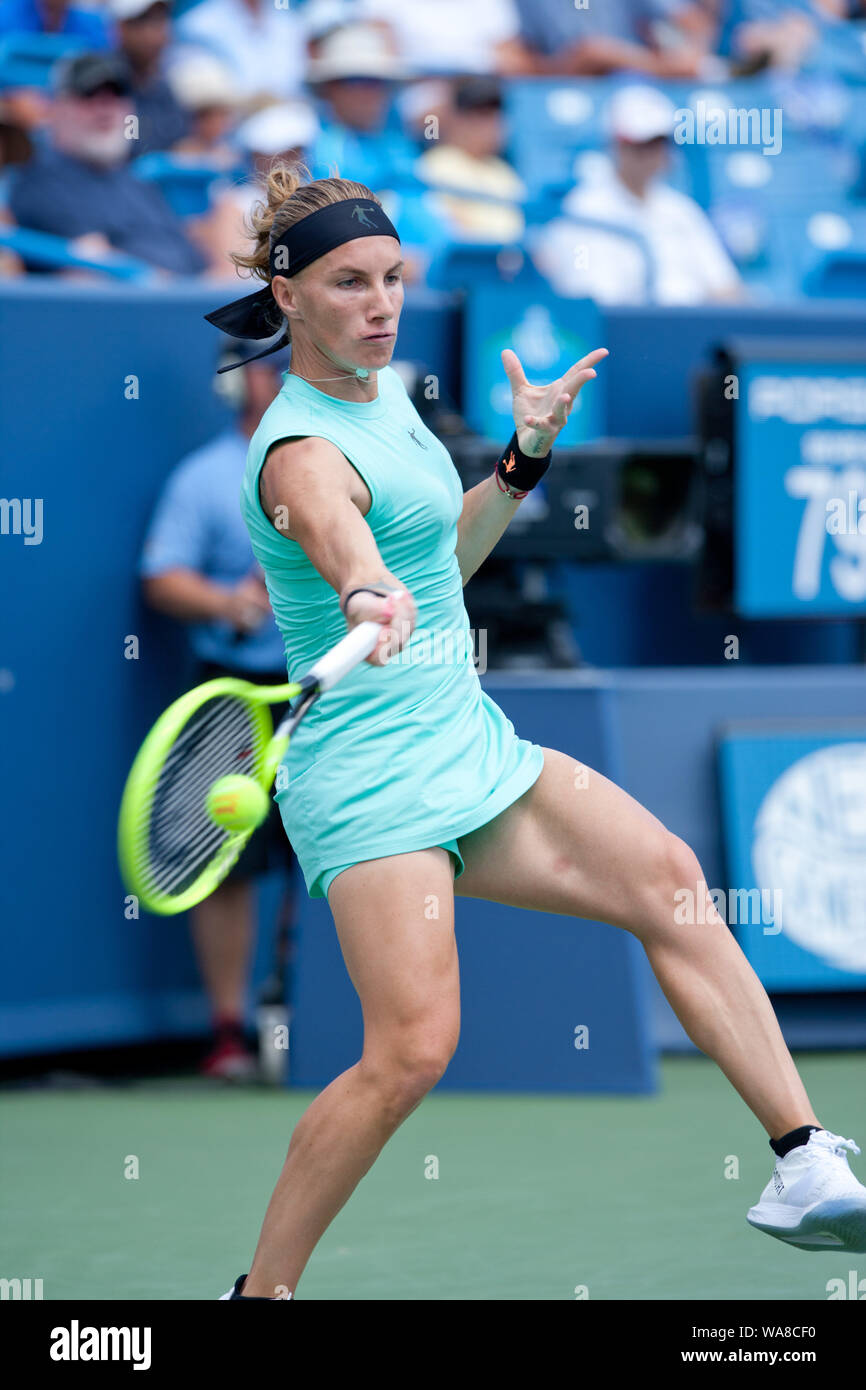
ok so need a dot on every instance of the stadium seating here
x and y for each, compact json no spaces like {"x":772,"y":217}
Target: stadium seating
{"x":26,"y":60}
{"x":187,"y":186}
{"x":811,"y":247}
{"x":43,"y":251}
{"x":461,"y":265}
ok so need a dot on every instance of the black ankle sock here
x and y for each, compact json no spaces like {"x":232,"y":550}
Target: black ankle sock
{"x":792,"y":1140}
{"x":250,"y":1297}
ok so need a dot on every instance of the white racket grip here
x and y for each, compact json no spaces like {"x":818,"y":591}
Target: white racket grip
{"x":341,"y":659}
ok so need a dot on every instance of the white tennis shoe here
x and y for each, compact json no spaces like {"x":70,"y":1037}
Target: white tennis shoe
{"x":813,"y":1200}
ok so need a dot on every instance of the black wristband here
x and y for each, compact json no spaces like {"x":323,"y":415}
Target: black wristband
{"x":518,"y":471}
{"x":382,"y":592}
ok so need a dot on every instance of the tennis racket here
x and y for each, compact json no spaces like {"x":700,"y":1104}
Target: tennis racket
{"x":172,"y":852}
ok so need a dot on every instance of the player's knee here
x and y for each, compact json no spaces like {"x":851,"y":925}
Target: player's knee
{"x":422,"y":1062}
{"x":676,"y":881}
{"x":416,"y":1060}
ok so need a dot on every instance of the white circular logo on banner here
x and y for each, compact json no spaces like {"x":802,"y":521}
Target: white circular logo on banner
{"x":810,"y":842}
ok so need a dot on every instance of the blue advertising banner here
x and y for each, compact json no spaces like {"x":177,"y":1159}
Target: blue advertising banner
{"x":800,"y":482}
{"x":794,"y":819}
{"x":548,"y":334}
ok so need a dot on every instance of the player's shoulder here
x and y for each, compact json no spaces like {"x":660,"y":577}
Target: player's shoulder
{"x":290,"y":420}
{"x":288,"y":401}
{"x":287,"y":414}
{"x":308,"y":463}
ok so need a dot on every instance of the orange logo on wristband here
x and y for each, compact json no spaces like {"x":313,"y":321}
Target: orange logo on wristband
{"x":511,"y":463}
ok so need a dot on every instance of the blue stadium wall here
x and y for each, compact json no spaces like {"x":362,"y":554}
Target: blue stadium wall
{"x":77,"y":970}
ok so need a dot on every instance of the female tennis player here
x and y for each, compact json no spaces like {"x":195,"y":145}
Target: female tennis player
{"x":407,"y":783}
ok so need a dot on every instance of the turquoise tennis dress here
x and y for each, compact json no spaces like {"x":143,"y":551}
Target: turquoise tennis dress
{"x":408,"y":755}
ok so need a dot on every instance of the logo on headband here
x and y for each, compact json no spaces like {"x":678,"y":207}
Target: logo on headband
{"x":361,"y":214}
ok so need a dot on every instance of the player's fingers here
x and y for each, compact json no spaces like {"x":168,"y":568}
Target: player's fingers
{"x":513,"y":369}
{"x":582,"y":371}
{"x":592,"y":357}
{"x":576,"y":383}
{"x":397,"y":614}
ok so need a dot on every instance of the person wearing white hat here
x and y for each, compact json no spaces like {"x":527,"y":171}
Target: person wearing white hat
{"x":286,"y":128}
{"x":143,"y":30}
{"x":356,"y":50}
{"x":353,"y":75}
{"x":638,"y":114}
{"x":207,"y":92}
{"x":667,"y":252}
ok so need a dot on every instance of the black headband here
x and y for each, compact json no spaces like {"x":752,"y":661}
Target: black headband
{"x":258,"y":315}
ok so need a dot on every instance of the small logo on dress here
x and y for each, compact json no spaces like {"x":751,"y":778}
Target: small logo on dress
{"x":777,"y":1181}
{"x":417,"y":440}
{"x":361,"y":214}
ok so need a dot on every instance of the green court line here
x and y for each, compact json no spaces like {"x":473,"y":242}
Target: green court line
{"x":536,"y":1195}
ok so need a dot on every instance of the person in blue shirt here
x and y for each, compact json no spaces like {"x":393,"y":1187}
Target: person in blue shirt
{"x":615,"y":36}
{"x":144,"y":33}
{"x":353,"y":77}
{"x":54,"y":17}
{"x":80,"y":186}
{"x":197,"y":566}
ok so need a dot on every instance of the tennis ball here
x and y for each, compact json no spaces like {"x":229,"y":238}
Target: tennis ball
{"x":237,"y":803}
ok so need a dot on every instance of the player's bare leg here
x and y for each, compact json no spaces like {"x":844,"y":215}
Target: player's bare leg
{"x":577,"y":845}
{"x":401,"y":955}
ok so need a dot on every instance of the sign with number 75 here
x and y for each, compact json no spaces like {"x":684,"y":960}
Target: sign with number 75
{"x":834,"y":517}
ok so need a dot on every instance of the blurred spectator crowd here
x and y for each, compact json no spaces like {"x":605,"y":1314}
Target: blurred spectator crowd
{"x":131,"y":132}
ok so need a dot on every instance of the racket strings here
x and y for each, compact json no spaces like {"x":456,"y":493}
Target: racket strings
{"x":178,"y":839}
{"x":204,"y":745}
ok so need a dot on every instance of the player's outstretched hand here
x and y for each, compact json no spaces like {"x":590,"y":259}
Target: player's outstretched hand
{"x":541,"y":411}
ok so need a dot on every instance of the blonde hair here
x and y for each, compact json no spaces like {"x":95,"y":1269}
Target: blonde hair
{"x":287,"y":197}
